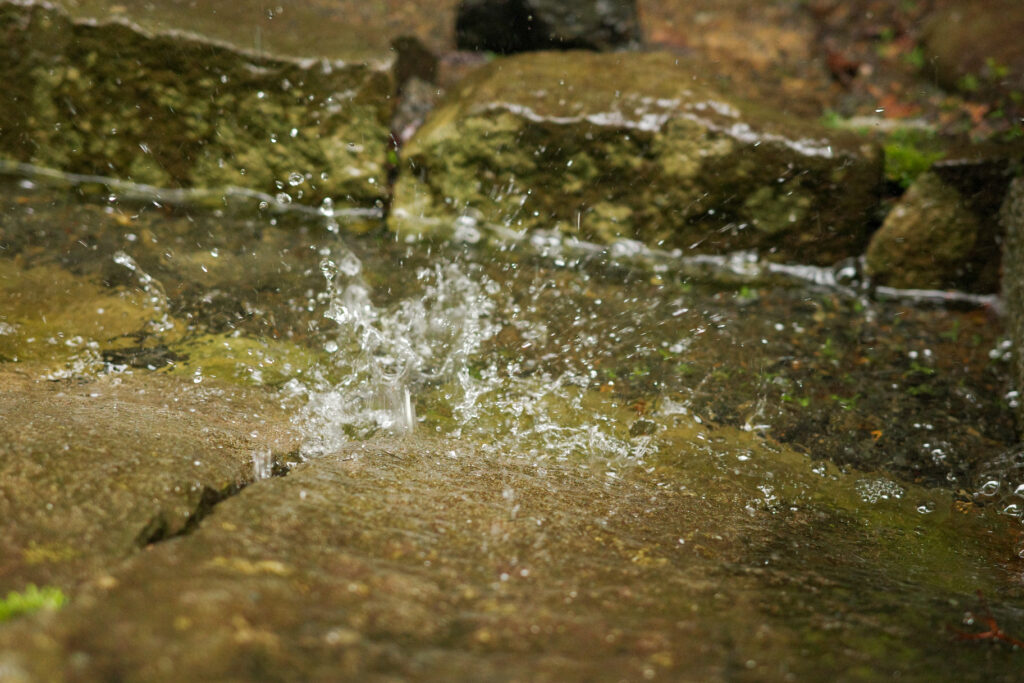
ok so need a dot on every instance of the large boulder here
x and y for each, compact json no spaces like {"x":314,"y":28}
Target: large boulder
{"x":611,"y":146}
{"x":109,"y":98}
{"x":507,"y":26}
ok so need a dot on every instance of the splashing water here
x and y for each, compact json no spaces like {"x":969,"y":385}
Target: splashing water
{"x":156,"y":297}
{"x":422,"y":354}
{"x":380,"y":355}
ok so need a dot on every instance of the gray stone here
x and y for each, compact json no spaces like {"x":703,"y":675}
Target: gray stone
{"x":507,"y":26}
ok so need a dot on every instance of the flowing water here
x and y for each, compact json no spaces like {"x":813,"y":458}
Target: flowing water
{"x":779,"y":391}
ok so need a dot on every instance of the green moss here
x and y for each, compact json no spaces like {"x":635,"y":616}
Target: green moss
{"x":241,"y":360}
{"x":909,"y":153}
{"x":32,"y":599}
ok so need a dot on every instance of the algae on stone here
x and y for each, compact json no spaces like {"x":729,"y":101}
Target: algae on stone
{"x":106,"y":99}
{"x":633,"y":146}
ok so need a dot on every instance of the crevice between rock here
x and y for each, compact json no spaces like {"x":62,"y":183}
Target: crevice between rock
{"x":159,"y":528}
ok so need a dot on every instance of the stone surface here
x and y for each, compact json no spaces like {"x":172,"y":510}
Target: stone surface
{"x":634,"y":146}
{"x":349,"y":30}
{"x":93,"y":471}
{"x":926,"y":240}
{"x":108,"y":98}
{"x":507,"y":26}
{"x":429,"y":560}
{"x":1012,"y":217}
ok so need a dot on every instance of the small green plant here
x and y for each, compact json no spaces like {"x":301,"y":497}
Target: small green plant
{"x":915,"y":57}
{"x":908,"y":154}
{"x":968,"y":83}
{"x":32,"y":599}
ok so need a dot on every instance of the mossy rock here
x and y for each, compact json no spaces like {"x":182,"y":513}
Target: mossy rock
{"x":944,"y":233}
{"x":50,"y":316}
{"x":633,"y":146}
{"x":106,"y":98}
{"x":241,"y":360}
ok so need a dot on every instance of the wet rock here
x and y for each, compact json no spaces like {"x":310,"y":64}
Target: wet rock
{"x":93,"y":471}
{"x":1012,"y":216}
{"x":633,"y":146}
{"x":507,"y":26}
{"x":347,"y":30}
{"x":433,"y":561}
{"x":930,"y":240}
{"x":976,"y":47}
{"x":109,"y":98}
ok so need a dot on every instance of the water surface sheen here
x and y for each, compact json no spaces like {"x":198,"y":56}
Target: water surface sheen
{"x":787,"y":479}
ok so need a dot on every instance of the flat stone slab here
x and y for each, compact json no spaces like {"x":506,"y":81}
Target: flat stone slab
{"x":348,"y":30}
{"x":107,"y":97}
{"x":634,"y":146}
{"x":93,"y":471}
{"x":429,"y":560}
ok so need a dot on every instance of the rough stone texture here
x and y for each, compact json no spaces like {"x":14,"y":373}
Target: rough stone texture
{"x":428,"y":560}
{"x":507,"y":26}
{"x":976,"y":46}
{"x":90,"y":472}
{"x":926,"y":240}
{"x":1012,"y":216}
{"x":110,"y":99}
{"x":349,"y":30}
{"x":633,"y":146}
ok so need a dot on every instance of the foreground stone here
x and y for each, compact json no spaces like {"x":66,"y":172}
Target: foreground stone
{"x":633,"y":146}
{"x":93,"y":471}
{"x":434,"y":561}
{"x":108,"y":98}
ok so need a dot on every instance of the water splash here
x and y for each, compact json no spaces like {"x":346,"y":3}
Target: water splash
{"x":382,"y":354}
{"x":156,"y":297}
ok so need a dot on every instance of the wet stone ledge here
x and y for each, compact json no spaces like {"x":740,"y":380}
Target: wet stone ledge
{"x":169,"y":109}
{"x":93,"y":471}
{"x":634,"y":146}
